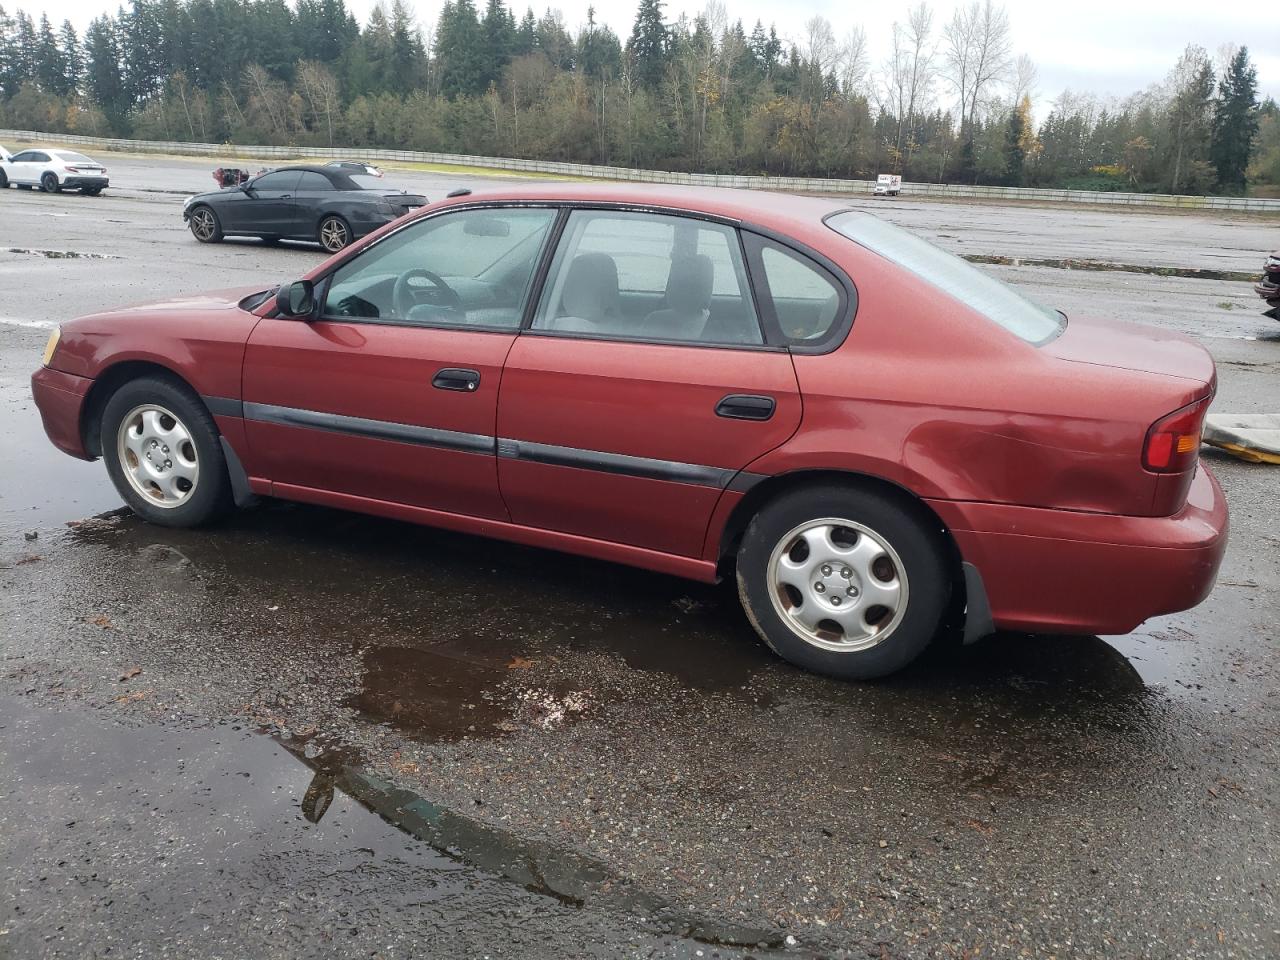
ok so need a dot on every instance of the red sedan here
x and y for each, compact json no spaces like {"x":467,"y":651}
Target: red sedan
{"x":868,"y":433}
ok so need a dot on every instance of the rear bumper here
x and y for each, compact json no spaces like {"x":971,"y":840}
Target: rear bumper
{"x":73,"y":183}
{"x":60,"y":399}
{"x":1058,"y":571}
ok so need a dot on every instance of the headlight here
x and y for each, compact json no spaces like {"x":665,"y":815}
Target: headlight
{"x":51,"y":346}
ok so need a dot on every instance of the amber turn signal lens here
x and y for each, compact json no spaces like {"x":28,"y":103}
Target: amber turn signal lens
{"x":51,"y":346}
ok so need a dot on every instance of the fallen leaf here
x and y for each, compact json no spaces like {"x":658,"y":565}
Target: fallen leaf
{"x":130,"y":674}
{"x":520,"y":663}
{"x":32,"y":558}
{"x":99,"y":621}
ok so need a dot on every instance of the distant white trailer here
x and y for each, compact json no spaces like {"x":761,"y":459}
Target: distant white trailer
{"x":888,"y":185}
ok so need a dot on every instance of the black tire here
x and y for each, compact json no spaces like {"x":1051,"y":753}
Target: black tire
{"x":49,"y":183}
{"x":211,"y":496}
{"x":337,"y":228}
{"x":205,"y":225}
{"x":23,"y":186}
{"x":905,"y":528}
{"x":91,"y":191}
{"x":4,"y":181}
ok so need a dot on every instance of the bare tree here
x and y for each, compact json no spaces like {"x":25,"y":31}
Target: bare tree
{"x":909,"y":73}
{"x":978,"y":51}
{"x":1025,"y":76}
{"x":852,"y":62}
{"x":819,"y":47}
{"x":320,"y":90}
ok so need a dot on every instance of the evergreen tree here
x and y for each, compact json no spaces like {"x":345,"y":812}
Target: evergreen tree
{"x":599,"y":53}
{"x":405,"y":63}
{"x":1235,"y":122}
{"x":72,"y":58}
{"x":139,"y":38}
{"x":499,"y":29}
{"x":50,"y":72}
{"x":649,"y":44}
{"x":460,"y":51}
{"x":24,"y":46}
{"x":526,"y":34}
{"x":8,"y":57}
{"x":102,"y":71}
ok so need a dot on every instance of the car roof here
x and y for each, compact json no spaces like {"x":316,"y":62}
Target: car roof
{"x":313,"y":167}
{"x":759,"y":207}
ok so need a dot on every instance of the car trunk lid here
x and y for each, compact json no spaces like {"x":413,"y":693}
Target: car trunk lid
{"x":1132,"y":346}
{"x":404,"y":202}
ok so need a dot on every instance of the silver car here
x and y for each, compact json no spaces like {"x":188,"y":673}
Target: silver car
{"x":52,"y":169}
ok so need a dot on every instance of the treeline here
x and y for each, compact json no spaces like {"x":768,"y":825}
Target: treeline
{"x":951,"y":102}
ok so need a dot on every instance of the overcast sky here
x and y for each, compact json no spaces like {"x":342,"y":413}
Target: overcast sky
{"x":1100,"y":46}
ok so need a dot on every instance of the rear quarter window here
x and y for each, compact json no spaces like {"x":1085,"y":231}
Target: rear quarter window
{"x":1019,"y":314}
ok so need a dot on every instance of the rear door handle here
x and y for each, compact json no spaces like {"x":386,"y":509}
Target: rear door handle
{"x":456,"y":378}
{"x":742,"y":406}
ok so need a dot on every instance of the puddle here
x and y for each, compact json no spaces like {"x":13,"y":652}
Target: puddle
{"x":159,"y":835}
{"x":61,"y":254}
{"x":1194,"y":273}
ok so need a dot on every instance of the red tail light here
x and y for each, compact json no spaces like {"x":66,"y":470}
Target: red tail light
{"x":1173,"y":442}
{"x":73,"y":169}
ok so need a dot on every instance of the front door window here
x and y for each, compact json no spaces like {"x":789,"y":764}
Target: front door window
{"x":472,"y":268}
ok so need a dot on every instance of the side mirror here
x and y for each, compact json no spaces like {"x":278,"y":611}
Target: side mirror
{"x":297,"y":299}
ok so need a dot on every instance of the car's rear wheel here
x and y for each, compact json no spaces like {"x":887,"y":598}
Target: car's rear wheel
{"x":205,"y":225}
{"x":842,"y":580}
{"x":334,"y":233}
{"x":91,"y":191}
{"x":4,"y":181}
{"x":163,"y":454}
{"x":23,"y":186}
{"x":49,"y":183}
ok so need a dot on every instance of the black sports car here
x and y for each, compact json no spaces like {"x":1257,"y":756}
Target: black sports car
{"x":327,"y":205}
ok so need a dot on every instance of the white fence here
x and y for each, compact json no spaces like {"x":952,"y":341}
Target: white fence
{"x":597,"y":172}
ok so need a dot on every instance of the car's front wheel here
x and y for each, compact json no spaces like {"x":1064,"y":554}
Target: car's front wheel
{"x":163,"y":454}
{"x":843,"y":580}
{"x":4,"y":181}
{"x":205,"y":225}
{"x":49,"y":183}
{"x":334,"y":233}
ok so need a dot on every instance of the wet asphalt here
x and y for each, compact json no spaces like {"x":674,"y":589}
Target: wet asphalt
{"x":310,"y":733}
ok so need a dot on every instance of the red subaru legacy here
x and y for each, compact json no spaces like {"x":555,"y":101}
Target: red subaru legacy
{"x":866,"y":432}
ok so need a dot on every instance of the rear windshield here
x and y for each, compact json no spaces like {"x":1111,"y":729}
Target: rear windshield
{"x":1018,"y":314}
{"x":73,"y":157}
{"x":365,"y":182}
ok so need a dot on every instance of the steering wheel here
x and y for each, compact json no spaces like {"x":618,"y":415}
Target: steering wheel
{"x":406,"y":295}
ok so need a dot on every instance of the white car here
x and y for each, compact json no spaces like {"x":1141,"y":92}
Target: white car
{"x":52,"y":169}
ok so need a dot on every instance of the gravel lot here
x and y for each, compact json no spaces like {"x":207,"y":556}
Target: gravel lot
{"x":607,"y":763}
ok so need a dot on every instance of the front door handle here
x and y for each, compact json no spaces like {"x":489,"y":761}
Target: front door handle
{"x":741,"y":406}
{"x":456,"y":378}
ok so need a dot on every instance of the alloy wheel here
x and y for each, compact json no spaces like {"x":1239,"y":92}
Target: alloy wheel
{"x":334,"y":234}
{"x":203,"y":224}
{"x":837,"y":584}
{"x":158,"y":455}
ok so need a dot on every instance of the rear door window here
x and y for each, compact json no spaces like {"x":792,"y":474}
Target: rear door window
{"x":646,"y":276}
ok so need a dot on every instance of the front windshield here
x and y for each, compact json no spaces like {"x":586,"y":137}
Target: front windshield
{"x":1018,"y":314}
